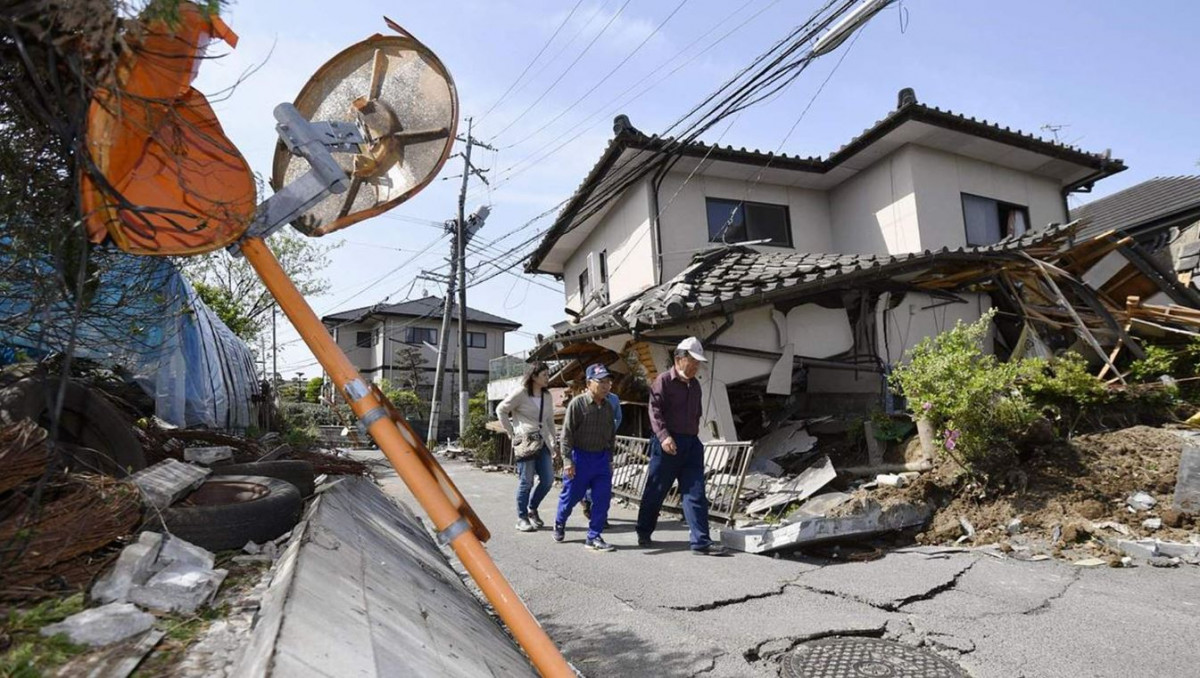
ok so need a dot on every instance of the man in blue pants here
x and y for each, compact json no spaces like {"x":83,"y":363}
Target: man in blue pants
{"x":676,"y":452}
{"x":588,"y":435}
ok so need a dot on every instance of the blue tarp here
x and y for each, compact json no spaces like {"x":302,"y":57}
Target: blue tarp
{"x":144,"y":317}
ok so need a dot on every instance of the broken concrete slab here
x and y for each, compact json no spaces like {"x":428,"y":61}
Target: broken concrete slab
{"x":872,"y":519}
{"x":176,"y":550}
{"x":765,"y":466}
{"x":818,"y":505}
{"x":1140,"y":501}
{"x":167,"y":481}
{"x":180,"y":587}
{"x":1187,"y":484}
{"x":134,"y":566}
{"x":102,"y":625}
{"x":208,"y":455}
{"x":1090,"y":562}
{"x":791,"y":438}
{"x":115,"y":661}
{"x":803,"y":486}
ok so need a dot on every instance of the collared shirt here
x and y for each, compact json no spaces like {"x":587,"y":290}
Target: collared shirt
{"x":588,"y":425}
{"x":674,"y":405}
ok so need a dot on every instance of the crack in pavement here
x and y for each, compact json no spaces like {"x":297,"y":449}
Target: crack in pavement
{"x":704,"y":607}
{"x":1076,"y":575}
{"x":895,"y":605}
{"x":712,"y":664}
{"x":758,"y":653}
{"x":554,"y":573}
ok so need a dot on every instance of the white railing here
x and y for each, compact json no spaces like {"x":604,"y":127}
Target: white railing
{"x":724,"y":474}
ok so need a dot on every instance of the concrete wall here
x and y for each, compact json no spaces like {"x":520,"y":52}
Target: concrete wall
{"x":875,"y":212}
{"x":624,"y":234}
{"x":941,"y":179}
{"x":684,"y":216}
{"x":912,"y":320}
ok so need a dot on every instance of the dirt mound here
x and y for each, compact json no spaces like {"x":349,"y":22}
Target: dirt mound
{"x":1062,"y":495}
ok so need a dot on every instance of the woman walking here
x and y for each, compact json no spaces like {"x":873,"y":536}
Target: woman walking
{"x":527,"y":414}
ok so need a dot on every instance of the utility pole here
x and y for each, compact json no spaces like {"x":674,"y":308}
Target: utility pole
{"x":435,"y":401}
{"x":464,"y":234}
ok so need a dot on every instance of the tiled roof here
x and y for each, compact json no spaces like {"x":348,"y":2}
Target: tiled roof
{"x":737,"y":277}
{"x":1159,"y":201}
{"x":626,"y":137}
{"x":428,"y":307}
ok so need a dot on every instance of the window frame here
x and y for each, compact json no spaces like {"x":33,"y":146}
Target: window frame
{"x":472,"y":335}
{"x":741,"y":204}
{"x":364,"y":338}
{"x":1001,"y":207}
{"x":411,"y":339}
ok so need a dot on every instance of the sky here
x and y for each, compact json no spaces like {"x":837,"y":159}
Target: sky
{"x":1098,"y":74}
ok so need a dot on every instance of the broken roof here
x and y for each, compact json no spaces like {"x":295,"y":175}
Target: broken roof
{"x":1161,"y":202}
{"x":732,"y":278}
{"x":910,"y":122}
{"x":428,"y":307}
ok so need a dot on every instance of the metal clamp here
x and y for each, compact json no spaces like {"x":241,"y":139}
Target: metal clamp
{"x":370,"y":417}
{"x":356,"y":389}
{"x":453,"y":531}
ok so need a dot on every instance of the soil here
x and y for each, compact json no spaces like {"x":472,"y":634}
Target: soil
{"x":1060,"y":494}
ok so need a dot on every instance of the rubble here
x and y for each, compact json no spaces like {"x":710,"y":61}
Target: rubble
{"x":167,"y":481}
{"x":796,"y":489}
{"x":1187,"y":486}
{"x":181,"y":587}
{"x":134,"y":566}
{"x":869,"y":518}
{"x":208,"y":456}
{"x":102,"y":625}
{"x":1141,"y":501}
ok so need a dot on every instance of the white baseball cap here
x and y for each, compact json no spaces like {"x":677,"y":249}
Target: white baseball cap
{"x":692,"y":346}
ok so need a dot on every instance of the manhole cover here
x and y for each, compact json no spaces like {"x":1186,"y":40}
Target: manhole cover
{"x":865,"y":658}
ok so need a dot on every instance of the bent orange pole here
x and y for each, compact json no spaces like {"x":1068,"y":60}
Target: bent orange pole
{"x":401,"y":447}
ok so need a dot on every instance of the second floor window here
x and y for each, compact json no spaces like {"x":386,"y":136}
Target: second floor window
{"x":363,"y":339}
{"x":583,"y":287}
{"x":990,"y":221}
{"x":420,"y":335}
{"x":734,"y":221}
{"x":476,"y":340}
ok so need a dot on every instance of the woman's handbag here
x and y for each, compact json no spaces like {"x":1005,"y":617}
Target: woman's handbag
{"x":527,"y":445}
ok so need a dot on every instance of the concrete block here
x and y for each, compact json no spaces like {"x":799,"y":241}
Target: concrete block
{"x":803,"y":486}
{"x":178,"y":588}
{"x":1187,"y":484}
{"x":871,"y":519}
{"x":176,"y":550}
{"x":1144,"y":548}
{"x":1174,"y":549}
{"x":1152,"y":523}
{"x":133,"y":567}
{"x":102,"y":625}
{"x":207,"y":455}
{"x":167,"y":481}
{"x":1140,"y":501}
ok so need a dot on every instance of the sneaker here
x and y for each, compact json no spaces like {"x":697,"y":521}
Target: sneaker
{"x":644,"y":541}
{"x":598,"y":544}
{"x":710,"y":550}
{"x":560,"y":532}
{"x":523,"y":525}
{"x":587,"y":509}
{"x":536,"y":519}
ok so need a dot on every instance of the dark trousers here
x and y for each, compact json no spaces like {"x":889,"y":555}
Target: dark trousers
{"x":687,"y":467}
{"x":593,"y":470}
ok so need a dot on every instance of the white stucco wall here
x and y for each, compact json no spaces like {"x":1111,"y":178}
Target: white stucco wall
{"x":875,"y":212}
{"x":941,"y":179}
{"x":625,"y":234}
{"x":684,"y":217}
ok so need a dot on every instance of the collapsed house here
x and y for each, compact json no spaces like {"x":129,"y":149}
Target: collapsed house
{"x":808,"y":279}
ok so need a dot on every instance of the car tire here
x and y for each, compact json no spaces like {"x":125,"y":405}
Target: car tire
{"x":226,"y":512}
{"x":295,"y":471}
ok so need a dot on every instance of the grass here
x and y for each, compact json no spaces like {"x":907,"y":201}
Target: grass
{"x":27,"y":653}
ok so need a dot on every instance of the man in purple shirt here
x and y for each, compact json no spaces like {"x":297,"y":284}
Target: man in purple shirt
{"x":676,"y":452}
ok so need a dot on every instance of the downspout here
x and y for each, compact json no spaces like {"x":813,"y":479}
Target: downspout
{"x":652,"y":187}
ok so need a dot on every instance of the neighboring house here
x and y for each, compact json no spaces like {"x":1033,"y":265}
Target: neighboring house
{"x":795,"y":270}
{"x":1161,"y":215}
{"x":380,"y":340}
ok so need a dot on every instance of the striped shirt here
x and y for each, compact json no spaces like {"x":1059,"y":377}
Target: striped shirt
{"x":588,"y":426}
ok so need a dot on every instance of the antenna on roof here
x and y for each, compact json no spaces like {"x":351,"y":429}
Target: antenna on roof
{"x":1053,"y":130}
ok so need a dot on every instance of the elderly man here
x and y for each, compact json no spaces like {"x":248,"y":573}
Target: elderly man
{"x":676,"y":452}
{"x":588,"y":435}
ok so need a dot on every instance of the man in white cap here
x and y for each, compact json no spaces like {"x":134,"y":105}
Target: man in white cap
{"x":676,"y":452}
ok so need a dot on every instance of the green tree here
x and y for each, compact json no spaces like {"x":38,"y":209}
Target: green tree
{"x":231,"y":287}
{"x":312,"y":390}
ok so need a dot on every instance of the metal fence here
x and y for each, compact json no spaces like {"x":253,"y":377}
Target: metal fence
{"x":724,"y":470}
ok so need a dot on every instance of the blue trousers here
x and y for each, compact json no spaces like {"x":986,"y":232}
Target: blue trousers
{"x":542,"y":466}
{"x":686,"y":466}
{"x":593,"y":470}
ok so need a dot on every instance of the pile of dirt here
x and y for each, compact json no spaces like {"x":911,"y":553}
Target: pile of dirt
{"x":1063,"y":495}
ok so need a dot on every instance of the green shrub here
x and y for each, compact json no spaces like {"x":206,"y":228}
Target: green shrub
{"x":973,"y":400}
{"x":478,"y":440}
{"x":1067,"y":391}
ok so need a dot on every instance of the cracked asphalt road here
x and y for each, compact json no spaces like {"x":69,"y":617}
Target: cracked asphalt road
{"x":665,"y":612}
